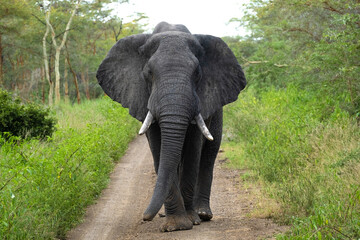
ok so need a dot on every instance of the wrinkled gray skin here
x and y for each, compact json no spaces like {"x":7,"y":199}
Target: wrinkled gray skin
{"x":176,"y":75}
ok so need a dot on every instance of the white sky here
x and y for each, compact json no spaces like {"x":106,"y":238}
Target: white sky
{"x":199,"y":16}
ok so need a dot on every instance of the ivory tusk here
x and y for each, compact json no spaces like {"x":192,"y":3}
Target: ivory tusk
{"x":201,"y":124}
{"x":146,"y":124}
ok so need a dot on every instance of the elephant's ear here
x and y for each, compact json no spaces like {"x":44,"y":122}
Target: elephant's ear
{"x":222,"y":77}
{"x":120,"y":75}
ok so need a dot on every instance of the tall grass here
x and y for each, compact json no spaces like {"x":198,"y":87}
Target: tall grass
{"x":307,"y":151}
{"x":46,"y":185}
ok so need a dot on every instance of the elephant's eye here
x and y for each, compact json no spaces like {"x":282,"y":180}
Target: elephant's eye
{"x":147,"y":73}
{"x":197,"y":74}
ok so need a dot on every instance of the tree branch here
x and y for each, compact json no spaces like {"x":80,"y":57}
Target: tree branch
{"x":330,"y":8}
{"x":49,"y":26}
{"x":305,"y":31}
{"x":63,"y":32}
{"x":39,"y":19}
{"x":69,"y":23}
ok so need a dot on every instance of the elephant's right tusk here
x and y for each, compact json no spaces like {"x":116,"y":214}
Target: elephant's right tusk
{"x":146,"y":124}
{"x":201,"y":124}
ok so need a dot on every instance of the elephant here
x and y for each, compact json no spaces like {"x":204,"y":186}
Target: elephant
{"x":176,"y":84}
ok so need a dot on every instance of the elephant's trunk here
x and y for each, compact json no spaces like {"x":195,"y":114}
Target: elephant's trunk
{"x":174,"y":115}
{"x":172,"y":140}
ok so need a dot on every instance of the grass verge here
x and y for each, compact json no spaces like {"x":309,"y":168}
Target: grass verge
{"x":306,"y":151}
{"x":46,"y":185}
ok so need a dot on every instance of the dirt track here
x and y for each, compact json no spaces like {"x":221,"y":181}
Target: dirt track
{"x":118,"y":213}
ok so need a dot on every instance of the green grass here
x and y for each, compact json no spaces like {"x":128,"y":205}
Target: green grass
{"x":307,"y":152}
{"x":46,"y":185}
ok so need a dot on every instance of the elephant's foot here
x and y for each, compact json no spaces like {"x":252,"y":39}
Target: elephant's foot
{"x":174,"y":223}
{"x":194,"y":217}
{"x":205,"y":213}
{"x":147,"y":217}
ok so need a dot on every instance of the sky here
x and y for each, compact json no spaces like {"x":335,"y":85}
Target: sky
{"x":199,"y":16}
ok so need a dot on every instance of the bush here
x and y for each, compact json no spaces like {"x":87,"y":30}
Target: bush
{"x":25,"y":121}
{"x":46,"y":185}
{"x":307,"y":150}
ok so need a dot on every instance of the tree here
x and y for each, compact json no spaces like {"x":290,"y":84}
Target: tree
{"x":46,"y":63}
{"x":33,"y":34}
{"x":12,"y":14}
{"x":58,"y":48}
{"x":88,"y":49}
{"x":317,"y":41}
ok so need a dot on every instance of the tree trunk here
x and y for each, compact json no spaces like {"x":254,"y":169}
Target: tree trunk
{"x":51,"y":93}
{"x":57,"y":76}
{"x":22,"y":67}
{"x":75,"y":77}
{"x":59,"y":48}
{"x":1,"y":63}
{"x":88,"y":95}
{"x":43,"y":85}
{"x":66,"y":84}
{"x":86,"y":83}
{"x":46,"y":63}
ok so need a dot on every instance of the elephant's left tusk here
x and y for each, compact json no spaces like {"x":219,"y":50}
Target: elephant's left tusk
{"x":201,"y":124}
{"x":146,"y":124}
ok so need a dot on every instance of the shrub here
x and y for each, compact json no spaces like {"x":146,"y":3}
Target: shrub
{"x":25,"y":121}
{"x":46,"y":185}
{"x":307,"y":150}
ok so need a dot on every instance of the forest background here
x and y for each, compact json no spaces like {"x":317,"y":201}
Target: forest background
{"x":296,"y":126}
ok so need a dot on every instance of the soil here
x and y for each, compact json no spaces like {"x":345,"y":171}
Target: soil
{"x":117,"y":214}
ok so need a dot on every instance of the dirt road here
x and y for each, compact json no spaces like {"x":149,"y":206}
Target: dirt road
{"x":118,"y":213}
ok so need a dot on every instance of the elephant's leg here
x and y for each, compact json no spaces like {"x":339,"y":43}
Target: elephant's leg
{"x":176,"y":217}
{"x":189,"y":173}
{"x":154,"y":138}
{"x":205,"y":177}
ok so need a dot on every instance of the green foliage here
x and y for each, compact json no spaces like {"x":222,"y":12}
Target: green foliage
{"x":25,"y":121}
{"x":297,"y":123}
{"x":313,"y":44}
{"x":45,"y":186}
{"x":12,"y":14}
{"x":91,"y":35}
{"x":306,"y":153}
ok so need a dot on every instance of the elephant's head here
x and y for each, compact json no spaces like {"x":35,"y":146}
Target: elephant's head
{"x":172,"y":77}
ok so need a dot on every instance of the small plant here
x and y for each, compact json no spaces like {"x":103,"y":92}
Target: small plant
{"x":24,"y":120}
